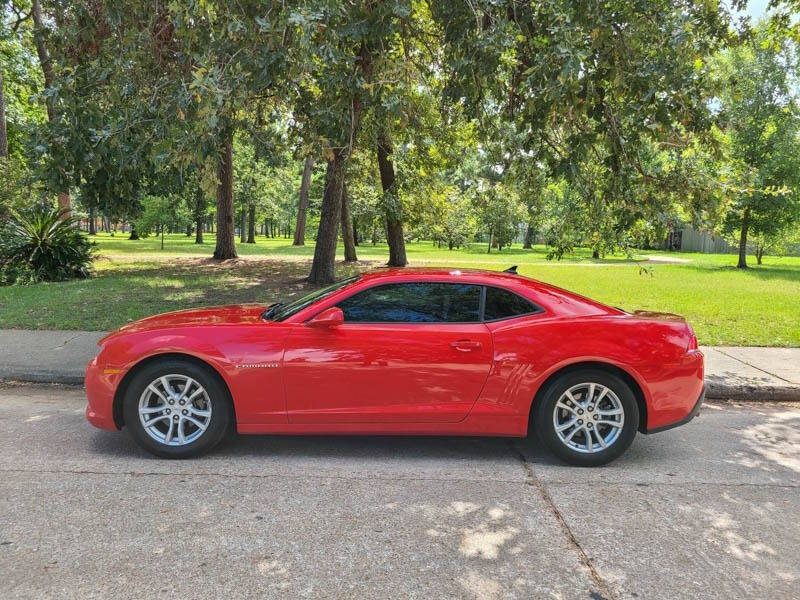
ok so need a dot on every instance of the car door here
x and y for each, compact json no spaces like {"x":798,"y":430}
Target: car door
{"x":406,"y":352}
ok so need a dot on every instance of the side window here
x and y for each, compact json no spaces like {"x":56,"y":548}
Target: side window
{"x":502,"y":304}
{"x":414,"y":303}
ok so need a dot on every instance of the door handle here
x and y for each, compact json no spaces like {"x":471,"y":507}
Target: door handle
{"x":466,"y":345}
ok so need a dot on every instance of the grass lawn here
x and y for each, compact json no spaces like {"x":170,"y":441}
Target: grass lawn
{"x":760,"y":306}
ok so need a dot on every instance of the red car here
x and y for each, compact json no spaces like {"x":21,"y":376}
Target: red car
{"x":402,"y":351}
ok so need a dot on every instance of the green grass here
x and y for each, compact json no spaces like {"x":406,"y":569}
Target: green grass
{"x":760,"y":306}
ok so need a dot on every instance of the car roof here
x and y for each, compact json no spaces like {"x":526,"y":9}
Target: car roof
{"x":438,"y":272}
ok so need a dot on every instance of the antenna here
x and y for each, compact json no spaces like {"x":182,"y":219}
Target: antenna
{"x":512,"y":270}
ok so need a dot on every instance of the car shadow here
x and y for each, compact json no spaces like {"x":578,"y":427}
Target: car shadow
{"x":477,"y":450}
{"x":364,"y":447}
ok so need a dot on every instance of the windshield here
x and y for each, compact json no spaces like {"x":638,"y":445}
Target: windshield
{"x":281,"y":310}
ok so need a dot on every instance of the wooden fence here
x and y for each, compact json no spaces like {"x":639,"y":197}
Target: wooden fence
{"x":691,"y":240}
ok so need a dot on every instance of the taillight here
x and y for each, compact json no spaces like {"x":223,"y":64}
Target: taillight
{"x":692,"y":340}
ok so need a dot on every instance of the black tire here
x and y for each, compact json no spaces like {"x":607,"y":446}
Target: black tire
{"x":219,"y":421}
{"x":545,"y":428}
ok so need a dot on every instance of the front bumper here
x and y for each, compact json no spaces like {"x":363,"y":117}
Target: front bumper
{"x":100,"y":387}
{"x":694,"y":412}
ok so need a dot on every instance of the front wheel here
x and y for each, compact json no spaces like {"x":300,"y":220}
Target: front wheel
{"x":587,"y":417}
{"x":176,"y":409}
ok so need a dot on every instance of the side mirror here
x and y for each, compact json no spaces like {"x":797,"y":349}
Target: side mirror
{"x":330,"y":317}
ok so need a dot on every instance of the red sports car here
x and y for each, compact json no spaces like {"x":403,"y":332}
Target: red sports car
{"x":402,"y":351}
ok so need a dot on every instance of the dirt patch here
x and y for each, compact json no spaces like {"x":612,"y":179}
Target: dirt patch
{"x":667,"y":260}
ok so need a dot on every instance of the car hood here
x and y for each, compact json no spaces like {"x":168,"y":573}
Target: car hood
{"x":232,"y":314}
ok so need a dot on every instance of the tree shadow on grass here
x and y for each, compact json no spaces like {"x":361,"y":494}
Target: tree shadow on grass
{"x":204,"y":281}
{"x":132,"y":291}
{"x":764,"y":272}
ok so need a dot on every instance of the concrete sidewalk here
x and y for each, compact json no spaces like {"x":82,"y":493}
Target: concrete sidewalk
{"x":762,"y":374}
{"x":46,"y":356}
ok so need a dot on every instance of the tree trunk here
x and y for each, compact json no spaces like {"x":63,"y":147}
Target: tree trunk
{"x":743,"y":239}
{"x":64,"y":202}
{"x":162,"y":236}
{"x":188,"y":230}
{"x":322,"y":269}
{"x":759,"y":253}
{"x":595,"y":253}
{"x":491,"y":241}
{"x":226,"y":237}
{"x":92,"y":220}
{"x":243,"y":226}
{"x":44,"y":56}
{"x":530,"y":234}
{"x":347,"y":228}
{"x":3,"y":135}
{"x":302,"y":203}
{"x":251,"y":224}
{"x":393,"y":209}
{"x":134,"y":234}
{"x":199,"y":214}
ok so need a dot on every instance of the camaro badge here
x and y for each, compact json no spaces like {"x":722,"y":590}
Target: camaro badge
{"x":268,"y":365}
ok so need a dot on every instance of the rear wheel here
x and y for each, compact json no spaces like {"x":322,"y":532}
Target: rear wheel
{"x":176,"y":409}
{"x":587,"y":417}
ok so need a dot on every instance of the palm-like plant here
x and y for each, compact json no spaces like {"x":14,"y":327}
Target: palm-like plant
{"x":43,"y":244}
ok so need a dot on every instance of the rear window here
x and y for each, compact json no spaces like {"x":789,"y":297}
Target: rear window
{"x":502,"y":304}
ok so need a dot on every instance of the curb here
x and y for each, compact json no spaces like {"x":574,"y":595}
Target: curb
{"x":44,"y":377}
{"x":752,"y":393}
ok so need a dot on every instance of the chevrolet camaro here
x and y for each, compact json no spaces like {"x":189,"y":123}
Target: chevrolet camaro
{"x":402,"y":351}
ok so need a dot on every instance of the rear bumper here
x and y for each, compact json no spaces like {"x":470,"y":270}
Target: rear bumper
{"x":692,"y":414}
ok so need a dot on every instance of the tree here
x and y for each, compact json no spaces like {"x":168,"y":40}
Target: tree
{"x":302,"y":203}
{"x":339,"y":58}
{"x":759,"y":114}
{"x":199,"y":214}
{"x":776,"y":241}
{"x":226,"y":239}
{"x":160,"y":213}
{"x":391,"y":200}
{"x":3,"y":133}
{"x":196,"y":74}
{"x":577,"y":85}
{"x":341,"y":81}
{"x":347,"y":228}
{"x":46,"y":64}
{"x":454,"y":222}
{"x":499,"y":212}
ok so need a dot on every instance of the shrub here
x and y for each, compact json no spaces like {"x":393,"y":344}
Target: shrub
{"x":43,"y":245}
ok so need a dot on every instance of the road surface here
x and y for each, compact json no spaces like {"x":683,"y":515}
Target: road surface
{"x":704,"y":511}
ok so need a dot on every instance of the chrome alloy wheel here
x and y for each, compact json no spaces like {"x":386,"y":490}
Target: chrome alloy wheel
{"x":588,"y":417}
{"x":175,"y":410}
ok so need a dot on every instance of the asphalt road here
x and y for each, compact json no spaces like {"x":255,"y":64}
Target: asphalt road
{"x":705,"y":511}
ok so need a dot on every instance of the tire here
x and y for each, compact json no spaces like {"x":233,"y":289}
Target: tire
{"x":175,"y":431}
{"x":605,"y":432}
